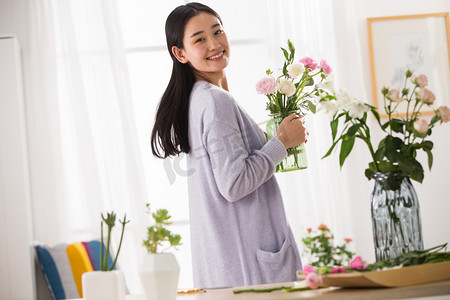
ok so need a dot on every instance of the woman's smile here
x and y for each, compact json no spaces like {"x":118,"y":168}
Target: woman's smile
{"x":217,"y":57}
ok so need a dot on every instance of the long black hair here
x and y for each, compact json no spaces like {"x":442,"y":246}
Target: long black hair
{"x":170,"y":131}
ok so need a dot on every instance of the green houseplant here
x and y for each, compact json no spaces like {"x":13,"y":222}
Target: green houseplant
{"x":159,"y":270}
{"x":395,"y":210}
{"x":107,"y":283}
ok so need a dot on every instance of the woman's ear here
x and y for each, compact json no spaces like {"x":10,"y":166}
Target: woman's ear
{"x":179,"y":54}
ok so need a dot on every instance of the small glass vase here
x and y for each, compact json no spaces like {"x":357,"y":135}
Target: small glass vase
{"x":396,"y":224}
{"x":296,"y":158}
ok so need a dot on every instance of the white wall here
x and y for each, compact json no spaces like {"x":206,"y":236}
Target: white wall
{"x":353,"y":56}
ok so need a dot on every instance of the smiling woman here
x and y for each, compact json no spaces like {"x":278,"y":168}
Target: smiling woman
{"x":239,"y":232}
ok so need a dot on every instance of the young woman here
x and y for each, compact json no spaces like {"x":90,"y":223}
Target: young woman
{"x":239,"y":232}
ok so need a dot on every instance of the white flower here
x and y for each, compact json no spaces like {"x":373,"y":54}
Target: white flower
{"x":286,"y":87}
{"x":327,"y":85}
{"x":343,"y":99}
{"x":421,"y":125}
{"x":357,"y":109}
{"x":296,"y":69}
{"x":329,"y":107}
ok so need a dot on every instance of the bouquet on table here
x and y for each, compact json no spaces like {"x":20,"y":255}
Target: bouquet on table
{"x":293,"y":91}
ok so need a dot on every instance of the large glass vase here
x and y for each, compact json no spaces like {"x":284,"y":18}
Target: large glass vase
{"x":396,"y":224}
{"x":296,"y":158}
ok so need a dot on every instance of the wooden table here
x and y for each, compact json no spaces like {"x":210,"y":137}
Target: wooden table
{"x":432,"y":289}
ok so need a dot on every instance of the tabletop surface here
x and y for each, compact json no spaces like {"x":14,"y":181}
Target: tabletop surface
{"x":424,"y":290}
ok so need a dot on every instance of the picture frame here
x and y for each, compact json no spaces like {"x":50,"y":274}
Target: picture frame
{"x":419,"y":43}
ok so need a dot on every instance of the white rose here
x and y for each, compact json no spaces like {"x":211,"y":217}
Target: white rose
{"x":357,"y":109}
{"x":286,"y":87}
{"x":421,"y":125}
{"x":296,"y":69}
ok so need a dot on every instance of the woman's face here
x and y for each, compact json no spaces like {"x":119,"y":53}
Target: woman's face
{"x":205,"y":46}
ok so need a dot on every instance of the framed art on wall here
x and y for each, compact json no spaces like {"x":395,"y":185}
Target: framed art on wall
{"x":419,"y":43}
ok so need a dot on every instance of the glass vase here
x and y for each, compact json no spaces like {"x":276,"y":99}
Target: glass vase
{"x":396,"y":224}
{"x":296,"y":158}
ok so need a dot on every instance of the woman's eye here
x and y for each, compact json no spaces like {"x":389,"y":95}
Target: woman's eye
{"x":200,"y":40}
{"x":219,"y":31}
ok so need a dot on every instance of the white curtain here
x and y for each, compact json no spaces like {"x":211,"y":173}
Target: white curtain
{"x":83,"y":145}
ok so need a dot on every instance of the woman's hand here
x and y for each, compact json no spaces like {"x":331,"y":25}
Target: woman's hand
{"x":292,"y":131}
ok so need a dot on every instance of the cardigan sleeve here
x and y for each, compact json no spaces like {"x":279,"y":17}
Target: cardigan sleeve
{"x":236,"y":171}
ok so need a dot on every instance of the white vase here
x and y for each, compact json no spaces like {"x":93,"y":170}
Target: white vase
{"x":159,"y":276}
{"x":103,"y":285}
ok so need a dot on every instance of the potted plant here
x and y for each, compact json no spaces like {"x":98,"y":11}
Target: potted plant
{"x":160,"y":271}
{"x":108,"y":283}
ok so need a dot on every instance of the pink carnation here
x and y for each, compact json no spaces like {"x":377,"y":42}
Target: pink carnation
{"x":313,"y":280}
{"x":444,"y":113}
{"x":325,"y":67}
{"x":426,"y":96}
{"x":308,"y":269}
{"x":308,"y":62}
{"x":339,"y":270}
{"x":358,"y":264}
{"x":266,"y":85}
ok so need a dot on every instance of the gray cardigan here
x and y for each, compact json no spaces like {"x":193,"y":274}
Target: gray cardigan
{"x":239,"y":232}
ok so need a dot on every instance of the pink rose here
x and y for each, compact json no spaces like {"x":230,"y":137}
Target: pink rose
{"x":444,"y":113}
{"x":421,"y":125}
{"x":313,"y":280}
{"x":309,"y":229}
{"x":358,"y":264}
{"x":339,"y":270}
{"x":266,"y":85}
{"x":426,"y":96}
{"x":308,"y":269}
{"x":394,"y":95}
{"x":323,"y":227}
{"x":325,"y":67}
{"x":308,"y":62}
{"x":348,"y":240}
{"x":421,"y":80}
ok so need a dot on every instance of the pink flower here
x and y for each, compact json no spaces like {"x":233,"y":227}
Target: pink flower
{"x":325,"y":67}
{"x":309,"y":229}
{"x":309,"y":63}
{"x":421,"y":125}
{"x":313,"y":280}
{"x":348,"y":240}
{"x":309,"y":269}
{"x":323,"y":227}
{"x":444,"y":113}
{"x":266,"y":85}
{"x":339,"y":270}
{"x":358,"y":264}
{"x":426,"y":96}
{"x":421,"y":80}
{"x":394,"y":95}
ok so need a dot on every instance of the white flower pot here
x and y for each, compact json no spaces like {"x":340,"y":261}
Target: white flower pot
{"x":159,"y":276}
{"x":103,"y":285}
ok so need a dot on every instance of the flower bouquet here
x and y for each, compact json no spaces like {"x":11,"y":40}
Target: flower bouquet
{"x":293,"y":91}
{"x":395,"y":208}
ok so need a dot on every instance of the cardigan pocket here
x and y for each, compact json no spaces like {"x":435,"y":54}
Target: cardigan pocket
{"x":279,"y":266}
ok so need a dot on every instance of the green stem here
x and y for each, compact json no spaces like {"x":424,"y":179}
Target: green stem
{"x":120,"y":242}
{"x":102,"y":247}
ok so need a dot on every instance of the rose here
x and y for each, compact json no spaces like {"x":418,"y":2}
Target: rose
{"x":426,"y":96}
{"x":286,"y":87}
{"x":266,"y":85}
{"x":358,"y":264}
{"x":313,"y":280}
{"x":444,"y":113}
{"x":394,"y":95}
{"x":308,"y":62}
{"x":421,"y":125}
{"x":323,"y":227}
{"x":421,"y":80}
{"x":325,"y":67}
{"x":296,"y":69}
{"x":348,"y":240}
{"x":309,"y":269}
{"x":339,"y":270}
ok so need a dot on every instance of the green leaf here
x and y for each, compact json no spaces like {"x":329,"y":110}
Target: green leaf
{"x":331,"y":149}
{"x":309,"y":82}
{"x":312,"y":107}
{"x":286,"y":54}
{"x":334,"y":125}
{"x":430,"y":158}
{"x":397,"y":125}
{"x":352,"y":130}
{"x":346,"y":148}
{"x":386,"y":166}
